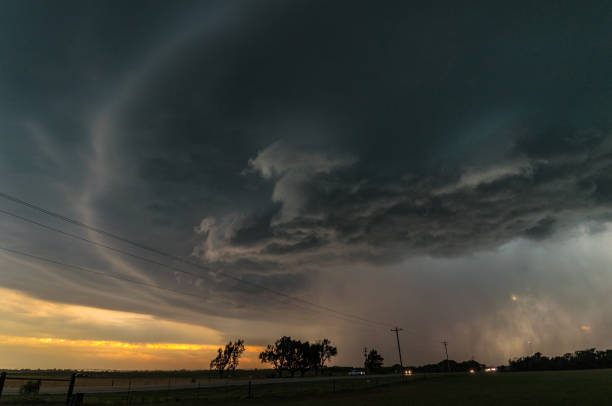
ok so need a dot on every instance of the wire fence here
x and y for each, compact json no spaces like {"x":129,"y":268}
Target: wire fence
{"x":32,"y":386}
{"x":75,"y":391}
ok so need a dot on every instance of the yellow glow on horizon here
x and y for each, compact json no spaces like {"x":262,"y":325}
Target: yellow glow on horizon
{"x":107,"y":349}
{"x":37,"y":333}
{"x":61,"y":342}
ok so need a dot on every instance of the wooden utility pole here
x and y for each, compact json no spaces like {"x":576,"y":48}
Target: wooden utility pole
{"x":446,"y":350}
{"x":2,"y":379}
{"x":70,"y":388}
{"x":399,"y":350}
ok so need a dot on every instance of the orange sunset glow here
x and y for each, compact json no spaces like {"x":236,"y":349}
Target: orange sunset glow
{"x":37,"y":333}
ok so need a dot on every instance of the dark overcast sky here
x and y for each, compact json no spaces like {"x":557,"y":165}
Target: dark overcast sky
{"x":444,"y":167}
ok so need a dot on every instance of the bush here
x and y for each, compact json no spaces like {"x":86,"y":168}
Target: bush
{"x":30,"y":388}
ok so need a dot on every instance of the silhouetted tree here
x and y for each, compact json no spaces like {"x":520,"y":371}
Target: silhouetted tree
{"x":282,"y":355}
{"x":319,"y":353}
{"x":292,"y":356}
{"x":228,"y":357}
{"x":303,"y":356}
{"x":373,"y":361}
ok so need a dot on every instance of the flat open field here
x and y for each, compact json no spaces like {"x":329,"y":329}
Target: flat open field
{"x":527,"y":388}
{"x":592,"y":387}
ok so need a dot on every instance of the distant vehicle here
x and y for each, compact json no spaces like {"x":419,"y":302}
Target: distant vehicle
{"x":356,"y":372}
{"x":407,"y":372}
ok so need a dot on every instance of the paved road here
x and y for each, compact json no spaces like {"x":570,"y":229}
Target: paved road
{"x":217,"y":384}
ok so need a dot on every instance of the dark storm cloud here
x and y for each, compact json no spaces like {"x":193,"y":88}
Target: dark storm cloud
{"x":533,"y":193}
{"x":417,"y":111}
{"x":289,"y":141}
{"x":389,"y":132}
{"x":408,"y":92}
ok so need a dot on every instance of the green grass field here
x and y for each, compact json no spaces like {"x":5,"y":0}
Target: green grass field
{"x":592,"y":387}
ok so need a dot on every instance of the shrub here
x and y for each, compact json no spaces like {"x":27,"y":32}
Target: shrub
{"x":30,"y":388}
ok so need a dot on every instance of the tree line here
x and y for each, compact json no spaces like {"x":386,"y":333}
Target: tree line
{"x":583,"y":359}
{"x":450,"y":366}
{"x":285,"y":355}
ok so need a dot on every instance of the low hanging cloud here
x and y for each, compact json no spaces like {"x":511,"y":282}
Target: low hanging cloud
{"x":545,"y":184}
{"x":292,"y":170}
{"x":292,"y":227}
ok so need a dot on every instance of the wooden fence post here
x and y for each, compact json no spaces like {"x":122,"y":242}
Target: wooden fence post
{"x":168,"y":391}
{"x":2,"y":379}
{"x":70,"y":388}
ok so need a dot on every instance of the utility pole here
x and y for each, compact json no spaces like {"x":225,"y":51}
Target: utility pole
{"x":365,"y":358}
{"x":446,"y":351}
{"x":399,"y":350}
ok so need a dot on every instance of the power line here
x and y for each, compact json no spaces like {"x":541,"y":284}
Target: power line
{"x":83,"y":239}
{"x":111,"y":275}
{"x":108,"y":247}
{"x":88,"y":241}
{"x":84,"y":225}
{"x":337,"y":314}
{"x":162,"y":253}
{"x":93,"y":271}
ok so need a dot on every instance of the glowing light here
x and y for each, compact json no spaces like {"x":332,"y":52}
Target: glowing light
{"x":514,"y":298}
{"x":472,"y":371}
{"x":490,"y":369}
{"x":585,"y":328}
{"x":408,"y":372}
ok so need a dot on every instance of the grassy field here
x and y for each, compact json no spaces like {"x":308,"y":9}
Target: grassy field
{"x":172,"y":378}
{"x":527,"y":388}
